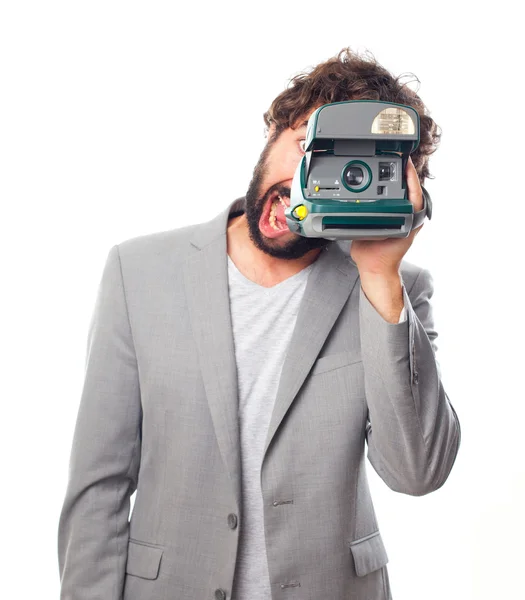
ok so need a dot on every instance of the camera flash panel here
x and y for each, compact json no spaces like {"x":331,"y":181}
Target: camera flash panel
{"x":393,"y":120}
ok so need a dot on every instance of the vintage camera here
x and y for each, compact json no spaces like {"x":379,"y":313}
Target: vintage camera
{"x":351,"y":182}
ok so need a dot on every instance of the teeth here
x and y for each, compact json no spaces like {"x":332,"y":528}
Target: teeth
{"x":273,"y":221}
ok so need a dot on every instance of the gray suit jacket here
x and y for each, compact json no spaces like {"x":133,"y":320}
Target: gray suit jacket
{"x":158,"y":414}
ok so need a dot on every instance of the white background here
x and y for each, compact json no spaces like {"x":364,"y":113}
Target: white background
{"x":112,"y":113}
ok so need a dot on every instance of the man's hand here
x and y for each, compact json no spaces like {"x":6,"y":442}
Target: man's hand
{"x":385,"y":256}
{"x":378,"y":261}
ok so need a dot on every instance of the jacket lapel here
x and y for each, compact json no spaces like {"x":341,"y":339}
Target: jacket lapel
{"x":205,"y":272}
{"x":327,"y":290}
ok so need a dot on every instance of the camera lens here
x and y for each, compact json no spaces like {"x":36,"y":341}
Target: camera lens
{"x":354,"y":175}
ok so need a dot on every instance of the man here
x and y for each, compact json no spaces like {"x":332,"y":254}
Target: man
{"x":234,"y":373}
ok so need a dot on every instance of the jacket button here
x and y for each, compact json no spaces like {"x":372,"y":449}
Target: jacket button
{"x":232,"y":521}
{"x":220,"y":594}
{"x":416,"y":377}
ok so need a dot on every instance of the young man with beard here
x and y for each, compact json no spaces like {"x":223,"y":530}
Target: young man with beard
{"x":235,"y":372}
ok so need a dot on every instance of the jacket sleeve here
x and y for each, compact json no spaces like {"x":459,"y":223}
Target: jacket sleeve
{"x":105,"y":454}
{"x":413,"y":432}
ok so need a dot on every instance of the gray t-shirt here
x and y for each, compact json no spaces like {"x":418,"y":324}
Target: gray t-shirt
{"x":263,"y":320}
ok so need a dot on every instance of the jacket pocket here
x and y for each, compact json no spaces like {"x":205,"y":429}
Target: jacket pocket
{"x":143,"y":561}
{"x":335,"y":361}
{"x":369,"y":553}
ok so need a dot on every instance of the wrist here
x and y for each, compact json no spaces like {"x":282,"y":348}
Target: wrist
{"x":385,"y":275}
{"x":384,"y":291}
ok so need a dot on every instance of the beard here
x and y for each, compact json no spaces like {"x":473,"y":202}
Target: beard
{"x":294,"y":247}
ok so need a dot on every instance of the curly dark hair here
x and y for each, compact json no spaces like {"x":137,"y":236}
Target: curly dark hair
{"x":349,"y":76}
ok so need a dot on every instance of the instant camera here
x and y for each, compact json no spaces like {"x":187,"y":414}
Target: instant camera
{"x":351,"y":182}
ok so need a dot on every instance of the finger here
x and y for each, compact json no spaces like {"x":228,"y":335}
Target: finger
{"x":415,"y":193}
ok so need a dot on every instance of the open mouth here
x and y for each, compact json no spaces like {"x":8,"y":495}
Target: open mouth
{"x":273,"y":214}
